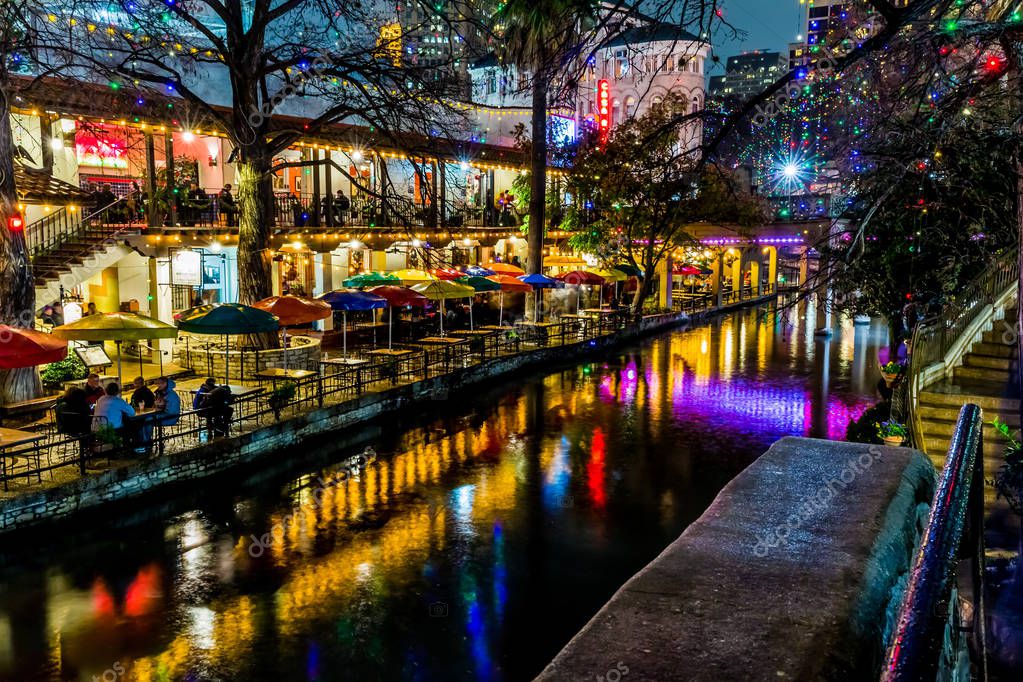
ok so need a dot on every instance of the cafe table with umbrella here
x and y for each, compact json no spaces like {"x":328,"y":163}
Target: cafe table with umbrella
{"x":227,"y":319}
{"x":506,"y":269}
{"x":442,"y":290}
{"x":370,"y":279}
{"x":508,"y":283}
{"x":292,"y":311}
{"x":410,"y":276}
{"x":350,"y":300}
{"x":614,"y":276}
{"x":116,"y":327}
{"x":481,"y":285}
{"x":21,"y":347}
{"x":446,"y":273}
{"x":539,"y":282}
{"x":581,"y":278}
{"x":398,"y":297}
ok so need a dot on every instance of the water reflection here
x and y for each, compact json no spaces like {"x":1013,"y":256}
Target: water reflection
{"x":472,"y":548}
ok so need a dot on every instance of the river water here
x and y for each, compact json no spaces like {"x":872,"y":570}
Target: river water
{"x":486,"y":532}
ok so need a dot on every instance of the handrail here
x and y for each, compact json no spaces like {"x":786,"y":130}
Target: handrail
{"x":935,"y":336}
{"x":48,"y":234}
{"x":916,"y":647}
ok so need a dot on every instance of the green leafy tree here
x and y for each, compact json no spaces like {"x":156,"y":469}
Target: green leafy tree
{"x":635,"y":195}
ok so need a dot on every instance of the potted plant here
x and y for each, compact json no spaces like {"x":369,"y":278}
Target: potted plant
{"x":70,"y":368}
{"x":107,"y":438}
{"x":281,"y":395}
{"x":1007,"y":614}
{"x":891,"y":372}
{"x":892,"y":433}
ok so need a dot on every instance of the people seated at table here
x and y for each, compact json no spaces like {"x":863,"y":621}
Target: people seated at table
{"x":199,"y":400}
{"x":93,"y":390}
{"x":142,"y":398}
{"x":73,"y":413}
{"x":218,"y":410}
{"x":167,"y":402}
{"x":112,"y":411}
{"x":228,"y":206}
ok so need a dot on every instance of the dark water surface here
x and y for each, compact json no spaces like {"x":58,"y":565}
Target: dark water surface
{"x":472,"y":548}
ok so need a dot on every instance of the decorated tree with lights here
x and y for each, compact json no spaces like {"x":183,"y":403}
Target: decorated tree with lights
{"x":251,"y":70}
{"x":636,"y":194}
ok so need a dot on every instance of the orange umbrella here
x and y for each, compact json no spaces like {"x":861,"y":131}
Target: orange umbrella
{"x":505,"y":269}
{"x":295,"y":310}
{"x":28,"y":348}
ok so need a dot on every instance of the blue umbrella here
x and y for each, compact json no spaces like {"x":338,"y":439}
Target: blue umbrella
{"x":478,"y":271}
{"x":538,"y":281}
{"x":346,"y":300}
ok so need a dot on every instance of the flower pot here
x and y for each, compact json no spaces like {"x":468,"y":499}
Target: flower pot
{"x":894,"y":441}
{"x":890,"y":377}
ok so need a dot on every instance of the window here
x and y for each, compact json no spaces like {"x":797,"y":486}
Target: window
{"x":630,"y":106}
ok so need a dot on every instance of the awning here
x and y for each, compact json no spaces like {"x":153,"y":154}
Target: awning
{"x":36,"y":186}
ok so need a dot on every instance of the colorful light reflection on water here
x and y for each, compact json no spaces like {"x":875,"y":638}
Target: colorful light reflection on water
{"x":472,"y":549}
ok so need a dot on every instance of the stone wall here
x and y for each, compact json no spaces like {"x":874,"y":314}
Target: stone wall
{"x":132,"y":481}
{"x":206,"y":355}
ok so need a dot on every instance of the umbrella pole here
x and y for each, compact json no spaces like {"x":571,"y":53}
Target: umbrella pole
{"x":374,"y":314}
{"x":118,"y":344}
{"x":344,"y":333}
{"x":471,"y":326}
{"x":442,"y":317}
{"x":285,"y":333}
{"x":500,"y":312}
{"x":390,"y":326}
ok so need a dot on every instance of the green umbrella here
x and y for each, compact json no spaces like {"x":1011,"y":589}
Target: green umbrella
{"x":479,"y":284}
{"x":226,"y":319}
{"x":116,"y":327}
{"x":371,"y":279}
{"x":441,"y":290}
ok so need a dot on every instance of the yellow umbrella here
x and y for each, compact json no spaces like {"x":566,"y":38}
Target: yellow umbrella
{"x":116,"y":327}
{"x":609,"y":275}
{"x":410,"y":276}
{"x":441,"y":290}
{"x":559,"y":261}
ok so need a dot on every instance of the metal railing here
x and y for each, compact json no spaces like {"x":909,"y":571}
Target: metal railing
{"x":54,"y":232}
{"x":935,"y":336}
{"x":929,"y":634}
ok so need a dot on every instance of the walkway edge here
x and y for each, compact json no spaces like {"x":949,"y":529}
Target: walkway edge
{"x":131,"y":481}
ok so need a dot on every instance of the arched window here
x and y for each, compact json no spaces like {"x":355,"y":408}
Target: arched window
{"x":656,"y":101}
{"x":630,"y":106}
{"x":616,"y":112}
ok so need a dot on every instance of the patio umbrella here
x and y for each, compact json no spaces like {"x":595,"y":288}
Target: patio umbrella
{"x":116,"y":327}
{"x":687,"y":270}
{"x":398,"y":297}
{"x":614,"y":276}
{"x":508,"y":283}
{"x":28,"y":348}
{"x":370,"y":279}
{"x":479,"y":271}
{"x":293,"y":310}
{"x":506,"y":269}
{"x":446,"y":273}
{"x":580,"y":277}
{"x":410,"y":276}
{"x":561,"y":261}
{"x":442,"y":290}
{"x":481,"y":285}
{"x":227,"y":319}
{"x":351,"y":300}
{"x":539,"y":282}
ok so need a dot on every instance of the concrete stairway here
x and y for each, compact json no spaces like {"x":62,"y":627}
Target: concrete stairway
{"x":987,"y":377}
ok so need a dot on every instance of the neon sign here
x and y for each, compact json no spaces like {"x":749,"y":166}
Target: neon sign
{"x":604,"y":109}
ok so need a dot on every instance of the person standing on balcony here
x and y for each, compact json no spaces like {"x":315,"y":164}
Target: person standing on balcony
{"x":228,"y":207}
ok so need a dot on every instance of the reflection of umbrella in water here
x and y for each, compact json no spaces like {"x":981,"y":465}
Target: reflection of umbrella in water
{"x":292,"y":311}
{"x":27,"y":348}
{"x":350,"y":300}
{"x":227,"y":319}
{"x":398,"y":297}
{"x":442,"y":290}
{"x":116,"y":327}
{"x":508,"y":283}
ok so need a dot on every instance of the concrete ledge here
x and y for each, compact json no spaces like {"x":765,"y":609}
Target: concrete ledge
{"x":789,"y":575}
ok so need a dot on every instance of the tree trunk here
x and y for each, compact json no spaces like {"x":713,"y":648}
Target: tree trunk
{"x":538,"y":177}
{"x":255,"y":218}
{"x":17,"y":287}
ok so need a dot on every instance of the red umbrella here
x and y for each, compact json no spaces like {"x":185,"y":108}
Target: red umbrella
{"x":28,"y":348}
{"x":447,"y":273}
{"x":581,"y":277}
{"x":398,"y":297}
{"x":688,"y":270}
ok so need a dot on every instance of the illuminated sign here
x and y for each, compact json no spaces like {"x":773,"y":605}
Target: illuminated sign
{"x":604,"y":108}
{"x":186,"y":268}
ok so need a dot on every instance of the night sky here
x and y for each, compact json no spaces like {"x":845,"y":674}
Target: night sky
{"x":769,"y":24}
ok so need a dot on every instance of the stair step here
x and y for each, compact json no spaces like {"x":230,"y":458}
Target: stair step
{"x":993,"y":350}
{"x":983,"y":374}
{"x":937,"y":448}
{"x":928,"y":413}
{"x":944,"y":429}
{"x":986,"y":361}
{"x":997,"y":403}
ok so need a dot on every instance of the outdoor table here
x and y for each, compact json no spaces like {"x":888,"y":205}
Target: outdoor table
{"x":395,"y":360}
{"x":582,"y":323}
{"x":341,"y":366}
{"x":448,"y":344}
{"x":12,"y":438}
{"x":276,"y":374}
{"x":506,"y":335}
{"x":481,"y":341}
{"x":540,"y":331}
{"x":603,"y":316}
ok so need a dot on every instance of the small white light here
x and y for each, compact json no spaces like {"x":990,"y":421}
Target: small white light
{"x":188,"y":136}
{"x":215,"y":247}
{"x":57,"y":144}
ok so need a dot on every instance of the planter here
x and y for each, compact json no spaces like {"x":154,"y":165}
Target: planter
{"x":894,"y":441}
{"x":890,"y":377}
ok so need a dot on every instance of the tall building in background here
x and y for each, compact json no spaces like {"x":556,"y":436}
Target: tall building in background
{"x":748,"y":74}
{"x":447,"y":36}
